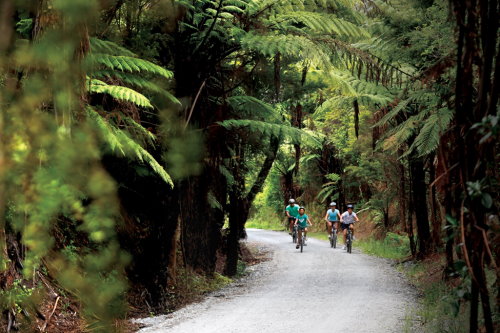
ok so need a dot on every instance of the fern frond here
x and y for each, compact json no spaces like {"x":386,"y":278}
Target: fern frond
{"x":400,"y":134}
{"x":293,"y":134}
{"x":253,"y":107}
{"x":137,"y":81}
{"x":325,"y":24}
{"x":103,"y":46}
{"x":227,"y":174}
{"x":119,"y":92}
{"x":394,"y":112}
{"x":288,"y":45}
{"x":128,"y":64}
{"x":107,"y":132}
{"x":428,"y":139}
{"x":139,"y":132}
{"x":119,"y":142}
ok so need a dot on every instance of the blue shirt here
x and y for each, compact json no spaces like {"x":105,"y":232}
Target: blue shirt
{"x":333,"y":215}
{"x":302,"y":220}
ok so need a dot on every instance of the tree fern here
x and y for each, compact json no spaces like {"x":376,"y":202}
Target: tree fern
{"x":293,"y":134}
{"x":434,"y":126}
{"x":347,"y":89}
{"x":400,"y":107}
{"x":119,"y":93}
{"x":324,"y":24}
{"x":139,"y":132}
{"x":399,"y":135}
{"x":248,"y":106}
{"x":136,"y":81}
{"x":127,"y":64}
{"x":119,"y":142}
{"x":106,"y":47}
{"x":292,"y":46}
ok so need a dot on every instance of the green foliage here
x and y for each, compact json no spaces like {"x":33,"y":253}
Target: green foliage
{"x":119,"y":93}
{"x":295,"y":135}
{"x":127,"y":64}
{"x":265,"y":218}
{"x":393,"y":246}
{"x":118,"y":142}
{"x":322,"y":23}
{"x":329,"y":188}
{"x":295,"y":47}
{"x":250,"y":106}
{"x":135,"y":81}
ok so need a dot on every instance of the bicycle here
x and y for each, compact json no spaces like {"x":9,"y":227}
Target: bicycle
{"x":302,"y":239}
{"x":333,"y":238}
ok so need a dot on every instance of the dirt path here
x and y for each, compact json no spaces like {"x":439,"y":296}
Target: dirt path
{"x":319,"y":290}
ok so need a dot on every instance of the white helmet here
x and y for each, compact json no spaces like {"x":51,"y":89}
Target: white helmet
{"x":333,"y":203}
{"x":291,"y":201}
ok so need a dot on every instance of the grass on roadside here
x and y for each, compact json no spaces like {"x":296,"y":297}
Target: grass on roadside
{"x":266,"y":218}
{"x":393,"y":246}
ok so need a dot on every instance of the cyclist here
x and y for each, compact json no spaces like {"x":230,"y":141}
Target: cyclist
{"x":291,"y":211}
{"x":332,"y":218}
{"x":348,"y":219}
{"x":303,"y":222}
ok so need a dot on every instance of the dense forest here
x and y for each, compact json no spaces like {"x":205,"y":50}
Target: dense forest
{"x":137,"y":137}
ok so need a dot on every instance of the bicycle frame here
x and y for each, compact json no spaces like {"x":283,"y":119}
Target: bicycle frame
{"x":349,"y":240}
{"x":333,"y":237}
{"x":302,"y":239}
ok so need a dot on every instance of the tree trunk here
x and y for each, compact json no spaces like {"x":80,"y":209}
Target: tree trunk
{"x":477,"y":49}
{"x":409,"y":219}
{"x":150,"y":213}
{"x":198,"y":231}
{"x":434,"y":210}
{"x":356,"y":117}
{"x":419,"y":203}
{"x":277,"y":76}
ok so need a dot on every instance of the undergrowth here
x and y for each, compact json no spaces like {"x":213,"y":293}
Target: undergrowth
{"x":393,"y":246}
{"x":266,"y":218}
{"x":439,"y":309}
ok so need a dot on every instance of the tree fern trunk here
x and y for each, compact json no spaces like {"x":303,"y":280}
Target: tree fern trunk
{"x":356,"y":117}
{"x":277,"y":76}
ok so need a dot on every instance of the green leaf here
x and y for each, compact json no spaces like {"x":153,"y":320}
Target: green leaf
{"x":486,"y":200}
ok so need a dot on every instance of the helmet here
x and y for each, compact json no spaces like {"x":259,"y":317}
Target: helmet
{"x":333,"y":203}
{"x":349,"y":206}
{"x":291,"y":201}
{"x":302,"y":207}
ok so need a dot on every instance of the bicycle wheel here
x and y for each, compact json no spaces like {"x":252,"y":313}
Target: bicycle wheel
{"x":331,"y":240}
{"x":349,"y":242}
{"x":334,"y":240}
{"x":302,"y":243}
{"x":294,"y":237}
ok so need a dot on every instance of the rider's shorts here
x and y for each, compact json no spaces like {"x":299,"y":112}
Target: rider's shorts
{"x":345,"y":225}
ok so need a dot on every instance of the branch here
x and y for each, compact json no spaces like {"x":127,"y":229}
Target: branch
{"x":242,"y":80}
{"x":50,"y":316}
{"x":264,"y":171}
{"x":194,"y":104}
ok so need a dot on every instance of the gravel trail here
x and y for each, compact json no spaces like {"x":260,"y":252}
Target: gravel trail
{"x":319,"y":290}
